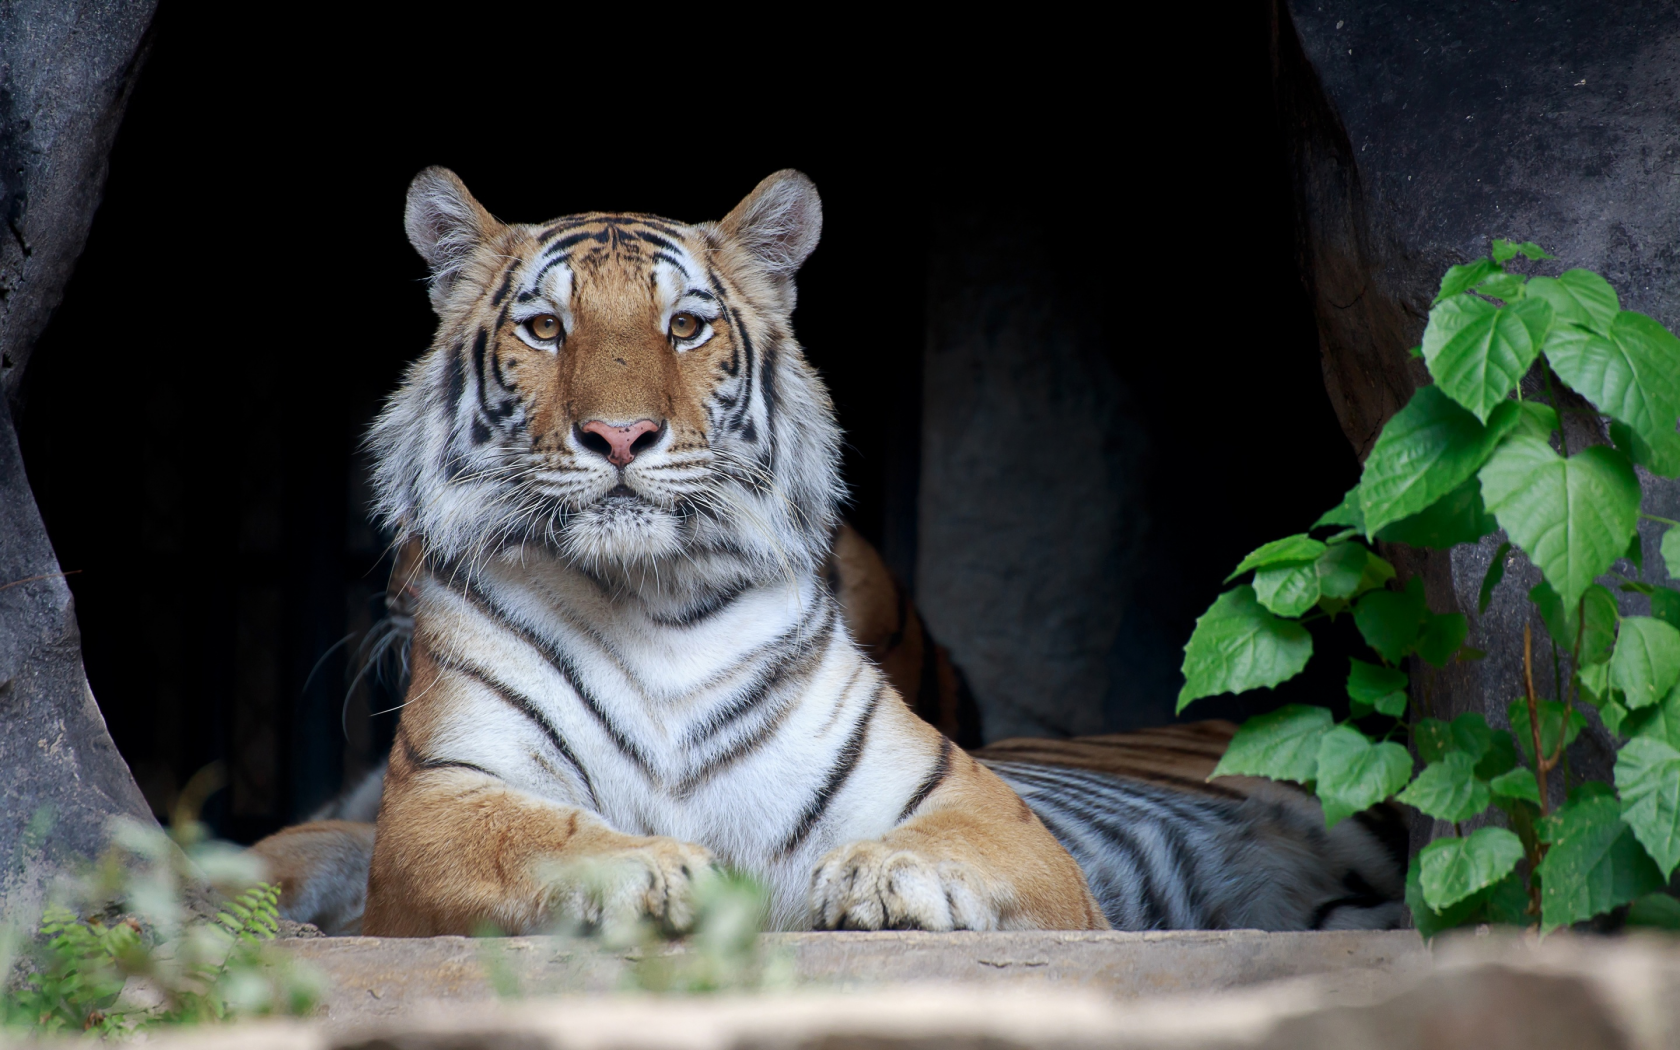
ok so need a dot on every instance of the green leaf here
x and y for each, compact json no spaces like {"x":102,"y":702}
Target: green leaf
{"x":1288,"y":590}
{"x":1659,"y":722}
{"x":1448,"y":789}
{"x":1429,"y":922}
{"x":1369,"y":683}
{"x":1355,"y":774}
{"x":1572,"y":517}
{"x":1559,"y":726}
{"x":1516,"y":783}
{"x":1561,"y":620}
{"x":1238,"y":646}
{"x":1291,"y":550}
{"x":1340,"y":569}
{"x":1443,"y":633}
{"x":1599,"y":617}
{"x":1281,"y":744}
{"x":1631,"y":373}
{"x":1671,"y":553}
{"x":1377,"y":573}
{"x":1595,"y":682}
{"x":1538,"y":419}
{"x":1578,"y":297}
{"x":1655,"y":911}
{"x":1453,"y":869}
{"x":1506,"y":286}
{"x":1505,"y":902}
{"x":1393,"y":705}
{"x":1648,"y":779}
{"x":1660,"y":455}
{"x":1646,"y":663}
{"x":1346,"y":513}
{"x":1428,"y":449}
{"x":1504,"y":251}
{"x":1468,"y":733}
{"x":1458,"y":517}
{"x":1500,"y":757}
{"x":1460,"y":278}
{"x":1614,"y":715}
{"x":1495,"y":573}
{"x":1665,"y":605}
{"x":1636,"y":551}
{"x":1477,"y":351}
{"x":1390,"y":621}
{"x":1594,"y":864}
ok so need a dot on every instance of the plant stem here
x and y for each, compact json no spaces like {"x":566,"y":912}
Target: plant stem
{"x":1557,"y":406}
{"x":1534,"y":715}
{"x":1574,"y":660}
{"x":1654,"y":517}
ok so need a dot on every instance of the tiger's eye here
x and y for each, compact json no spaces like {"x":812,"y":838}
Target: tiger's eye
{"x":685,"y":326}
{"x":544,"y":326}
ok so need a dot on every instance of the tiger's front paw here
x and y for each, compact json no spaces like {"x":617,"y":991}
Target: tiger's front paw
{"x":653,"y":880}
{"x":872,"y":886}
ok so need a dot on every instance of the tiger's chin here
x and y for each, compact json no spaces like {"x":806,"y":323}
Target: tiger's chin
{"x":623,"y":531}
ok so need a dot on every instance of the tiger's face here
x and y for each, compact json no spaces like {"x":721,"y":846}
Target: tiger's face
{"x":621,"y":389}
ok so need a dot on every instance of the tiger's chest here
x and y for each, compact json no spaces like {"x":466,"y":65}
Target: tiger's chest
{"x":712,"y":722}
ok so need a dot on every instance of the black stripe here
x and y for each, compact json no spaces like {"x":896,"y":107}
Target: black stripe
{"x":566,"y":242}
{"x":770,"y":676}
{"x":759,"y":736}
{"x":936,"y":776}
{"x":455,"y":380}
{"x":536,"y":281}
{"x":507,"y":285}
{"x":556,"y":658}
{"x":419,"y":761}
{"x":706,"y":609}
{"x":480,"y":341}
{"x":525,"y":706}
{"x":850,"y":752}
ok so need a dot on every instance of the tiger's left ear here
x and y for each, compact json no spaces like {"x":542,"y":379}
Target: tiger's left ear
{"x":779,"y":223}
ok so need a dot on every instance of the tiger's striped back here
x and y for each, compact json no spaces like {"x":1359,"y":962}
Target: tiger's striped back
{"x":1165,"y":848}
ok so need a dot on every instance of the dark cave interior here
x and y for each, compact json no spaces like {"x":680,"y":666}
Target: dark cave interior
{"x":193,"y":418}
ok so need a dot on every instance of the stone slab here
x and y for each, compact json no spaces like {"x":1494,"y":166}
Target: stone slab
{"x":371,"y":978}
{"x":1473,"y":993}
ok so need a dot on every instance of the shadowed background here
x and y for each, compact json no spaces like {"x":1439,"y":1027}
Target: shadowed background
{"x":1056,"y":302}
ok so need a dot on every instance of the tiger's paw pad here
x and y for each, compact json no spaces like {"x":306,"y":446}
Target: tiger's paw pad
{"x":655,"y":880}
{"x":872,"y":886}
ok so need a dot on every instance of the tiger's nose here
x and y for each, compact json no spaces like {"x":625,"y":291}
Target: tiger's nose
{"x":619,"y":443}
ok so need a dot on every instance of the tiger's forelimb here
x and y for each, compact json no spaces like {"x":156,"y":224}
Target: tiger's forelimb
{"x":460,"y":852}
{"x":972,"y":857}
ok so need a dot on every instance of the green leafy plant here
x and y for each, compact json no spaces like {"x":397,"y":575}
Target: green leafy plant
{"x":1466,"y":456}
{"x":124,"y":950}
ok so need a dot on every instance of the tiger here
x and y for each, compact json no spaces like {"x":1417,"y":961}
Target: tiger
{"x":620,"y":476}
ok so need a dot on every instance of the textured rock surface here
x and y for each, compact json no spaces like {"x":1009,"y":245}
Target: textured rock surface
{"x":65,"y":73}
{"x":58,"y":758}
{"x":381,"y":977}
{"x":66,"y":70}
{"x":1478,"y":994}
{"x":1031,"y":455}
{"x":1418,"y":133}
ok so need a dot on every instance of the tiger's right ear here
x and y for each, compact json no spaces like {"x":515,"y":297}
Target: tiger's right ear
{"x":445,"y":225}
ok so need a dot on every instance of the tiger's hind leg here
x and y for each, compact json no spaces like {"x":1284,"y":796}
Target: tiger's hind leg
{"x":322,"y":869}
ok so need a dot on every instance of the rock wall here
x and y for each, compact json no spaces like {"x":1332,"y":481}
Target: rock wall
{"x":66,"y":70}
{"x":1416,"y":133}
